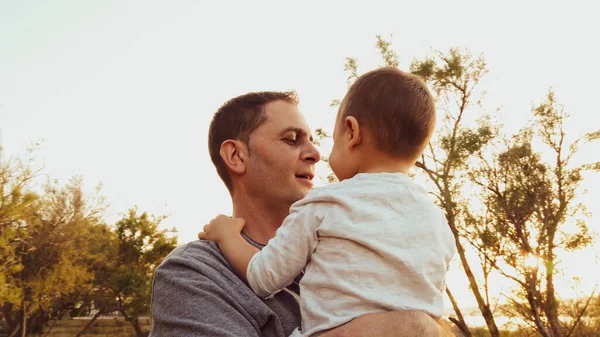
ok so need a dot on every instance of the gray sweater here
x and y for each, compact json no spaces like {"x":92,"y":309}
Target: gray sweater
{"x":196,"y":293}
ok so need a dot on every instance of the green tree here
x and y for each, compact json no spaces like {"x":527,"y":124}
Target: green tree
{"x":133,"y":250}
{"x":50,"y":251}
{"x":18,"y":206}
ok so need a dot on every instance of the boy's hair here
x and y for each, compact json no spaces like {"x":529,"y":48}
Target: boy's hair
{"x":237,"y":119}
{"x":397,"y":109}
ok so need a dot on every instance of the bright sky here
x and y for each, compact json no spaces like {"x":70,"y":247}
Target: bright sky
{"x":121,"y":92}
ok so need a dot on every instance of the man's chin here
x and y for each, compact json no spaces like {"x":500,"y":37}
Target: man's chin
{"x":301,"y":192}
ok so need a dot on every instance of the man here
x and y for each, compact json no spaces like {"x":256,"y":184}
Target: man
{"x":262,"y":149}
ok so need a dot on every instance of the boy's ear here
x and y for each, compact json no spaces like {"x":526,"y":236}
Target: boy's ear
{"x":353,"y":131}
{"x":234,"y":154}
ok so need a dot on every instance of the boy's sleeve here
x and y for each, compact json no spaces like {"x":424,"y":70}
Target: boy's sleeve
{"x":286,"y":255}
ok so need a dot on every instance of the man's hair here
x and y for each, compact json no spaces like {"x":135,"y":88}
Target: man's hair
{"x":397,"y":109}
{"x":237,"y":119}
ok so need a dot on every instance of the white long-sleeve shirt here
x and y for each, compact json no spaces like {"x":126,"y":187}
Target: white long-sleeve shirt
{"x":372,"y":243}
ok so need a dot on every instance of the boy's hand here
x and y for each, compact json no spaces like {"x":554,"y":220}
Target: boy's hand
{"x":222,"y":227}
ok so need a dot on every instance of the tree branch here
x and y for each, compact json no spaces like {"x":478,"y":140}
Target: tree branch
{"x":493,"y":263}
{"x":581,"y":314}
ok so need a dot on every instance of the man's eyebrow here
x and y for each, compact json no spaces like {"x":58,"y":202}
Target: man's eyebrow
{"x":299,"y":131}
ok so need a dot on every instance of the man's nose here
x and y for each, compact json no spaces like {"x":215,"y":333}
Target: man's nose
{"x":311,"y":154}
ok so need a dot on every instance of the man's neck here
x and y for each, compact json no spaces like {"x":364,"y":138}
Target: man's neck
{"x":262,"y":221}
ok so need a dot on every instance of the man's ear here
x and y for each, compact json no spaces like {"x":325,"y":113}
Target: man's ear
{"x":353,"y":131}
{"x":234,"y":153}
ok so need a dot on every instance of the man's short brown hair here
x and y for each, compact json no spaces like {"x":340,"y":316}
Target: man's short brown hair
{"x":397,"y":109}
{"x":237,"y":119}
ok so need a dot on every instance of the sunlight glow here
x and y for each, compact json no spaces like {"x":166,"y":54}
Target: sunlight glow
{"x":532,"y":261}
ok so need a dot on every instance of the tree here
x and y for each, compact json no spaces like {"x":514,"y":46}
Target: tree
{"x":585,"y":315}
{"x":531,"y":202}
{"x":132,"y":253}
{"x":454,"y":77}
{"x":18,"y":207}
{"x":49,"y":250}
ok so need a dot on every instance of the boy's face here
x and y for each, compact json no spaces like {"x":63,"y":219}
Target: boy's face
{"x":342,"y":160}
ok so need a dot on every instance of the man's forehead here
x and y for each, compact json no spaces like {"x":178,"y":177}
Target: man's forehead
{"x":283,"y":116}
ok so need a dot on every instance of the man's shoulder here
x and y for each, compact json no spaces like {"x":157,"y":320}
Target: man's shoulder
{"x":193,"y":249}
{"x":195,"y":292}
{"x":201,"y":263}
{"x":195,"y":255}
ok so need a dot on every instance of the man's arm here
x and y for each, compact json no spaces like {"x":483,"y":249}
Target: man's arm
{"x":408,"y":323}
{"x":187,"y":303}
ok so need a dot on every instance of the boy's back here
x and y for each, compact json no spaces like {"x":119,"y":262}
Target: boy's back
{"x":382,"y":245}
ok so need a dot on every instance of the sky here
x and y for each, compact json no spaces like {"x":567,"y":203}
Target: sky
{"x":121,"y":92}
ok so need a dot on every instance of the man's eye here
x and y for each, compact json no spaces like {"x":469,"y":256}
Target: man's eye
{"x":291,"y":141}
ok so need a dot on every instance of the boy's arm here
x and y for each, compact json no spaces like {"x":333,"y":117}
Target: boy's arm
{"x":225,"y":231}
{"x":287,"y":254}
{"x":279,"y":262}
{"x":238,"y":253}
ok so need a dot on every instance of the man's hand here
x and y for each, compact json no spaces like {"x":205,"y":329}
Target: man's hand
{"x":408,"y":323}
{"x":221,"y":228}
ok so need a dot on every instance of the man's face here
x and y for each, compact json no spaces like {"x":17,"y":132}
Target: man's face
{"x":282,"y":156}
